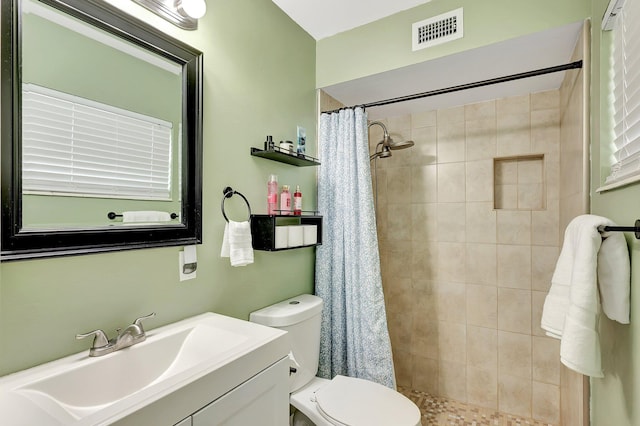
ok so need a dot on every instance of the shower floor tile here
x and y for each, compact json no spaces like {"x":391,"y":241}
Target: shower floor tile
{"x":439,"y":411}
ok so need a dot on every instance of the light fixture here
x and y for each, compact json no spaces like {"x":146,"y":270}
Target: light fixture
{"x":182,"y":13}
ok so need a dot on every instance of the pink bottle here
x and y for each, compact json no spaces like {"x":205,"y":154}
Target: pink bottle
{"x":285,"y":200}
{"x":272,"y":195}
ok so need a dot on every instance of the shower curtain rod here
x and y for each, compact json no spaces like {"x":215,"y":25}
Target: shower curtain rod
{"x":548,"y":70}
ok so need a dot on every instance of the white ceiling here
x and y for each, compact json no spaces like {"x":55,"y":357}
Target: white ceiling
{"x":535,"y":51}
{"x":329,"y":17}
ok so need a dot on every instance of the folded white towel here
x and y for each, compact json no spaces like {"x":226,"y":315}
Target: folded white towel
{"x":571,"y":308}
{"x":145,"y":216}
{"x":236,"y":243}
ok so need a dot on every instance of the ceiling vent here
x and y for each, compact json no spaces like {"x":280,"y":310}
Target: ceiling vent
{"x":437,"y":30}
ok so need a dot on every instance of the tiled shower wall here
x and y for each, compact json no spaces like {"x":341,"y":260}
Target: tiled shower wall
{"x":464,"y":281}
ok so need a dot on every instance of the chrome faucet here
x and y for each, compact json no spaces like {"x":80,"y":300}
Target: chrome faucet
{"x":131,"y":335}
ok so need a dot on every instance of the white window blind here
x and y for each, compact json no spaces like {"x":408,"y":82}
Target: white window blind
{"x":77,"y":147}
{"x":626,"y":97}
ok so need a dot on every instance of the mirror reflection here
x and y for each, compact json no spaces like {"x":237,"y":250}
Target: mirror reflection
{"x":101,"y":126}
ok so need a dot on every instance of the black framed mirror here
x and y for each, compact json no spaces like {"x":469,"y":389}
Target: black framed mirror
{"x":86,"y":58}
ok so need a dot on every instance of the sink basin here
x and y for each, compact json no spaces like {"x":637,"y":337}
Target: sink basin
{"x":83,"y":390}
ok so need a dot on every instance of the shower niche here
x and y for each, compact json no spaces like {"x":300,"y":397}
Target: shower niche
{"x":519,"y":183}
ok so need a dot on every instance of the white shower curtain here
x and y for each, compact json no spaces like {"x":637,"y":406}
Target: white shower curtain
{"x":355,"y":339}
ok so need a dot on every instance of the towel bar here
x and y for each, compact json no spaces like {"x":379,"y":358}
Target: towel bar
{"x":228,"y":192}
{"x":635,"y":229}
{"x":113,"y":215}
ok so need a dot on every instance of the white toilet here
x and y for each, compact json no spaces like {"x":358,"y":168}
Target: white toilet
{"x":343,"y":401}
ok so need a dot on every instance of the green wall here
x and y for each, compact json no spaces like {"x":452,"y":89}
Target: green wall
{"x":386,"y":44}
{"x":259,"y":78}
{"x":615,"y":399}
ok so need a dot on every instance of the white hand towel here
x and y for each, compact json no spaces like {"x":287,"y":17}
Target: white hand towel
{"x":145,"y":216}
{"x":571,"y":308}
{"x":236,"y":243}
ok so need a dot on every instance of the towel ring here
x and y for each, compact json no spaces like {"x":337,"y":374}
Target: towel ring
{"x":228,"y":192}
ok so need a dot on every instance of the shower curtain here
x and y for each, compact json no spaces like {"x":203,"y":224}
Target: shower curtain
{"x":354,"y":339}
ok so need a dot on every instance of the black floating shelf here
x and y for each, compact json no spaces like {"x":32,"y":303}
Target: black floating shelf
{"x":299,"y":160}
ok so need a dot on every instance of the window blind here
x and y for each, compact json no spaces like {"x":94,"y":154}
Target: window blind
{"x":626,"y":97}
{"x":76,"y":147}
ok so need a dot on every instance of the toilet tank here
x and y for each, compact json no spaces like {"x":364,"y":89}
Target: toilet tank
{"x":300,"y":317}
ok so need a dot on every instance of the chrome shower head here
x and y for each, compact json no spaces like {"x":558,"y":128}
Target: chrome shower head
{"x":401,"y":145}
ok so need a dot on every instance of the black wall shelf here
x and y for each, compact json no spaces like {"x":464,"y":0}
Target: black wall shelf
{"x":299,"y":160}
{"x":263,"y":230}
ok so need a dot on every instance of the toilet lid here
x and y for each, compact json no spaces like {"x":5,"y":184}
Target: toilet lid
{"x":356,"y":402}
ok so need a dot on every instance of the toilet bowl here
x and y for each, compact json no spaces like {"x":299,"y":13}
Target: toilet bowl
{"x":342,"y":401}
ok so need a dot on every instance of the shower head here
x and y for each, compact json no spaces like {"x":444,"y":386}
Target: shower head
{"x":387,"y":143}
{"x":400,"y":145}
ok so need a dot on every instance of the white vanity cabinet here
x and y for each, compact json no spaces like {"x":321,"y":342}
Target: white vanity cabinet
{"x":262,"y":400}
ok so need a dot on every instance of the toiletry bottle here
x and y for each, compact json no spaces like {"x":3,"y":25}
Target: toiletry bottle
{"x":272,"y":195}
{"x":285,"y":200}
{"x":297,"y":201}
{"x":269,"y":144}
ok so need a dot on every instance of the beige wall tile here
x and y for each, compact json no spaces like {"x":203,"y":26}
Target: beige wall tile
{"x":514,"y":227}
{"x":425,"y":338}
{"x":545,"y":131}
{"x":399,"y":181}
{"x":545,"y":225}
{"x":452,"y":342}
{"x":425,"y":305}
{"x":424,"y":151}
{"x":537,"y":303}
{"x":399,"y":222}
{"x":399,"y":295}
{"x":451,"y":182}
{"x":480,"y":110}
{"x":403,"y":367}
{"x":423,"y":261}
{"x":514,"y":310}
{"x":481,"y":222}
{"x":531,"y":196}
{"x":514,"y":266}
{"x":424,"y":222}
{"x":549,"y":99}
{"x":546,"y":360}
{"x":425,"y":375}
{"x":451,"y":222}
{"x":482,"y":306}
{"x":424,"y":119}
{"x":514,"y":354}
{"x":451,"y":142}
{"x":514,"y":395}
{"x":394,"y":264}
{"x":424,"y":187}
{"x":481,"y":139}
{"x":482,"y":348}
{"x":481,"y":260}
{"x":543,"y":264}
{"x":451,"y":262}
{"x":530,"y":170}
{"x":452,"y":302}
{"x":513,"y":134}
{"x":506,"y":171}
{"x":513,"y":105}
{"x":479,"y":184}
{"x":400,"y":328}
{"x":506,"y":196}
{"x":450,"y":115}
{"x":546,"y":402}
{"x":452,"y":380}
{"x":482,"y":387}
{"x":399,"y":123}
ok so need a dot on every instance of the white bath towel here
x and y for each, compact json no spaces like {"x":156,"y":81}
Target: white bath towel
{"x":236,"y":243}
{"x":139,"y":216}
{"x":589,"y":261}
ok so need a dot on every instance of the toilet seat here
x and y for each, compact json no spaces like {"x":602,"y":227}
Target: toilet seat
{"x":348,"y":401}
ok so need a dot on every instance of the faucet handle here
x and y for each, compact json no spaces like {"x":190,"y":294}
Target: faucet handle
{"x":138,"y":321}
{"x":100,"y":338}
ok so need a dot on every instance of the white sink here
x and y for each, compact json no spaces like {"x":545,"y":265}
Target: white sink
{"x":99,"y":390}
